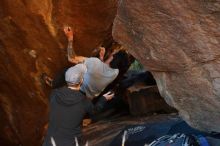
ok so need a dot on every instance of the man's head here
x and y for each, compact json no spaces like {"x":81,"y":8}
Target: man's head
{"x":74,"y":75}
{"x":99,"y":53}
{"x":120,"y":60}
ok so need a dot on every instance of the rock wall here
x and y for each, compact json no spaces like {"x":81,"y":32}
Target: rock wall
{"x":31,"y":43}
{"x":178,"y":41}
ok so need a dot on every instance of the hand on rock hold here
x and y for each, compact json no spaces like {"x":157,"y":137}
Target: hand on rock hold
{"x":68,"y":32}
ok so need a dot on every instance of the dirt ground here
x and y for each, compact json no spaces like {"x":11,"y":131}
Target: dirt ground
{"x":102,"y":132}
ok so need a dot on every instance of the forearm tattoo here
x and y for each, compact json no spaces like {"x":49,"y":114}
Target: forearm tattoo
{"x":70,"y":50}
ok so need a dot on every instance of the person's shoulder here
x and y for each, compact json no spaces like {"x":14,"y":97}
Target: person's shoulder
{"x":110,"y":72}
{"x":54,"y":91}
{"x":93,"y":59}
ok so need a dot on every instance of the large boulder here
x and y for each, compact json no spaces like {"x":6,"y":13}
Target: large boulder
{"x":178,"y":41}
{"x":31,"y":43}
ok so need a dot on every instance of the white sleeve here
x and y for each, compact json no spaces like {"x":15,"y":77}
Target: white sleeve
{"x":91,"y":62}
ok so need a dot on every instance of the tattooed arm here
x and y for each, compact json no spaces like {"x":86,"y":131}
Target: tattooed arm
{"x":72,"y":57}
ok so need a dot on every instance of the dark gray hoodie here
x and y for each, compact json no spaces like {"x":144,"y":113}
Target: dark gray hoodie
{"x":67,"y":109}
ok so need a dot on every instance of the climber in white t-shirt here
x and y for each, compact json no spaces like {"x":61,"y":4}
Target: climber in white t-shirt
{"x":99,"y":73}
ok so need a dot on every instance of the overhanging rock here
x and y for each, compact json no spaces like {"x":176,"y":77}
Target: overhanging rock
{"x":178,"y":41}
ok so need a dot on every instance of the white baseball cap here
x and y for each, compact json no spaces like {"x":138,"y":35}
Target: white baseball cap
{"x":74,"y":75}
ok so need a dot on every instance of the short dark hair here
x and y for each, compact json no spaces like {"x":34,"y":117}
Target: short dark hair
{"x":120,"y":60}
{"x":96,"y":51}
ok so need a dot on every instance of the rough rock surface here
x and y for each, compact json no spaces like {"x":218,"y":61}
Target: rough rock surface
{"x":178,"y":41}
{"x":32,"y":42}
{"x":146,"y":100}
